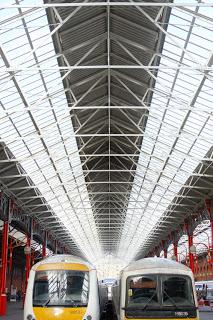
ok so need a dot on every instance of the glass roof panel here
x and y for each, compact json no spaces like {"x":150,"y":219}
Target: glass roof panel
{"x":36,"y":124}
{"x":184,"y":130}
{"x":38,"y":133}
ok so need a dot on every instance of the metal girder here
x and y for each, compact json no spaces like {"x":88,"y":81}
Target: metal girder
{"x":117,"y":90}
{"x":198,"y":67}
{"x":105,"y":4}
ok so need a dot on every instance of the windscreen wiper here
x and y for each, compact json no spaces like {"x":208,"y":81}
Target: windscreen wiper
{"x":146,"y":305}
{"x":71,"y":303}
{"x":141,"y":308}
{"x":170,"y":298}
{"x":46,"y":302}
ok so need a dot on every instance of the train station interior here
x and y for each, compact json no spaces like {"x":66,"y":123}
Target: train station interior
{"x":106,"y":140}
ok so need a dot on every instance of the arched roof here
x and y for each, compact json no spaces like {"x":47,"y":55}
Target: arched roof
{"x":106,"y":119}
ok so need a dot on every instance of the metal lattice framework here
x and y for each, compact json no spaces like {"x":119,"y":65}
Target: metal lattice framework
{"x":107,"y":106}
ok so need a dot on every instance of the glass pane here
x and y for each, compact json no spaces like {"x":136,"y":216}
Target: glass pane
{"x":61,"y":287}
{"x":142,"y":290}
{"x":177,"y":290}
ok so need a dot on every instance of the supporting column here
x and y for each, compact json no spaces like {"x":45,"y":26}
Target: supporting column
{"x":175,"y":250}
{"x":190,"y":244}
{"x":165,"y":248}
{"x":3,"y":276}
{"x":209,"y":206}
{"x":44,"y":246}
{"x":151,"y":254}
{"x":212,"y":233}
{"x":175,"y":238}
{"x":191,"y":256}
{"x":11,"y":255}
{"x":28,"y":256}
{"x":32,"y":251}
{"x":211,"y":248}
{"x":3,"y":297}
{"x":27,"y":251}
{"x":56,"y":246}
{"x":33,"y":257}
{"x":157,"y":251}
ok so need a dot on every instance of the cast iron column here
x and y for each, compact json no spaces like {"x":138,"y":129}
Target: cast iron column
{"x":209,"y":206}
{"x":5,"y":235}
{"x":3,"y":297}
{"x":190,"y":244}
{"x":174,"y":238}
{"x":44,"y":246}
{"x":175,"y":250}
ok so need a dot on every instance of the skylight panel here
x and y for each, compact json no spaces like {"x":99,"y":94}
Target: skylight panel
{"x":44,"y":152}
{"x":185,"y":135}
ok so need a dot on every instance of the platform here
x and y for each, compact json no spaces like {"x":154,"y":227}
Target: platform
{"x":15,"y":312}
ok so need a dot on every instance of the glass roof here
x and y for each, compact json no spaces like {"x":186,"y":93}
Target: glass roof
{"x":109,"y":266}
{"x":179,"y":127}
{"x":36,"y":125}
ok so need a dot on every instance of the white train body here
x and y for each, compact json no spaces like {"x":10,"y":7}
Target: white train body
{"x":131,"y":282}
{"x":62,"y":287}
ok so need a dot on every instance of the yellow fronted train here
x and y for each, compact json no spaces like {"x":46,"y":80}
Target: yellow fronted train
{"x":62,"y":287}
{"x":155,"y":288}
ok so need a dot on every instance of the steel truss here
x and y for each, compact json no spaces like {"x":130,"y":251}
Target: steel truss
{"x":134,"y":87}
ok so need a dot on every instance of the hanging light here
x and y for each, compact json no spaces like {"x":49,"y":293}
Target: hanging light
{"x":27,"y":250}
{"x":192,"y":249}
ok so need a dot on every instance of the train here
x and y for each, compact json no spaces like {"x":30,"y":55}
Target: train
{"x":63,"y":287}
{"x":204,"y":291}
{"x":155,"y":288}
{"x":103,"y":295}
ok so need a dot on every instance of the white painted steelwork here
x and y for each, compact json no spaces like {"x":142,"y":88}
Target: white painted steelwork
{"x":106,"y":114}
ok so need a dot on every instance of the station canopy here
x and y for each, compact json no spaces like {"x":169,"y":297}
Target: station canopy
{"x":106,"y":118}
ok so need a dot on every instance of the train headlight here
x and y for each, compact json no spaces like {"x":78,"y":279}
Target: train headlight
{"x":89,"y":317}
{"x":30,"y":317}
